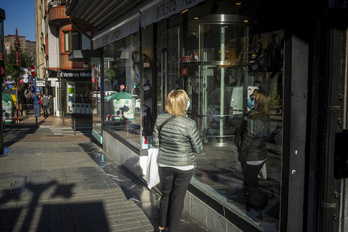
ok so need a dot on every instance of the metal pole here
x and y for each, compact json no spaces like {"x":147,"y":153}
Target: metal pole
{"x":330,"y":204}
{"x":35,"y":99}
{"x":2,"y":67}
{"x":74,"y":126}
{"x":222,"y":83}
{"x":17,"y":44}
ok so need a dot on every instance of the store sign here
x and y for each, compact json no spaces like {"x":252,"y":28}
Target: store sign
{"x":40,"y":83}
{"x":74,"y":74}
{"x":117,"y":32}
{"x":164,"y":9}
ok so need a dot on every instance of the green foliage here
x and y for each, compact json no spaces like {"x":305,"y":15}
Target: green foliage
{"x":24,"y":61}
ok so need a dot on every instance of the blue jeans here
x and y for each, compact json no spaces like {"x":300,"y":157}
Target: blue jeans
{"x":174,"y":186}
{"x":45,"y":111}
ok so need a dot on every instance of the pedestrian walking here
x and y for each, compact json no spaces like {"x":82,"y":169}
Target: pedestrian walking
{"x":178,"y":141}
{"x":50,"y":104}
{"x":45,"y":102}
{"x":39,"y":102}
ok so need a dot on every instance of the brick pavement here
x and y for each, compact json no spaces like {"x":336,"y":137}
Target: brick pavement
{"x":52,"y":182}
{"x":56,"y":186}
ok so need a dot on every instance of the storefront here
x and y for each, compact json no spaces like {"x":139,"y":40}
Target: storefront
{"x":219,"y":62}
{"x":220,"y":52}
{"x":75,"y":92}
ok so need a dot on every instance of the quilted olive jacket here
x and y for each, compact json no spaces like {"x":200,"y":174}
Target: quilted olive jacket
{"x":179,"y":140}
{"x":254,"y":138}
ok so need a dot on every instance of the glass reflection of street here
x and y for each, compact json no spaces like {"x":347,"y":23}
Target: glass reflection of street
{"x":220,"y":175}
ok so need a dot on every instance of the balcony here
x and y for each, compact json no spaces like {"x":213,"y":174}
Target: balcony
{"x":57,"y":14}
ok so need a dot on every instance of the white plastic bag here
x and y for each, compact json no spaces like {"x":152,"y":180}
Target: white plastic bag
{"x":152,"y":168}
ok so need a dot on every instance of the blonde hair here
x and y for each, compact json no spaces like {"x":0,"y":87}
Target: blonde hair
{"x":262,"y":101}
{"x":176,"y":102}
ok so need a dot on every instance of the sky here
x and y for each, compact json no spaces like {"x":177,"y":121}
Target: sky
{"x":19,"y":14}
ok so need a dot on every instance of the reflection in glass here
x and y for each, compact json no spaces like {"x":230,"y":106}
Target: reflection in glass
{"x":96,"y":98}
{"x":221,"y":66}
{"x":121,"y":75}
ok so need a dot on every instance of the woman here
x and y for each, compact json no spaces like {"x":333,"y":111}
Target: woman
{"x":178,"y":140}
{"x":255,"y":131}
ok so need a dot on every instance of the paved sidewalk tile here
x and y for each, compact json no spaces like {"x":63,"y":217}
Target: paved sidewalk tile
{"x":56,"y":186}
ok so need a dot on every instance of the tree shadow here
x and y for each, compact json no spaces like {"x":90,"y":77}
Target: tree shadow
{"x":54,"y":215}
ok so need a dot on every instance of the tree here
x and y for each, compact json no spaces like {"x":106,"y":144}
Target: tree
{"x":13,"y":70}
{"x":24,"y":61}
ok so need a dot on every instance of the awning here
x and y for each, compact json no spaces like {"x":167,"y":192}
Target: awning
{"x":141,"y":16}
{"x":162,"y":9}
{"x":127,"y":25}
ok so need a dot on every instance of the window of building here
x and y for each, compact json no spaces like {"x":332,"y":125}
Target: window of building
{"x":85,"y":42}
{"x":74,"y":40}
{"x":220,"y":65}
{"x":66,"y":42}
{"x":121,"y":103}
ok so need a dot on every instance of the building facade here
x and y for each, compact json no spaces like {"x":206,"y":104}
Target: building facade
{"x":12,"y":38}
{"x":219,"y":52}
{"x":69,"y":82}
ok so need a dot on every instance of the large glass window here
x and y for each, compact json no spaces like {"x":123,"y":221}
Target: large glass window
{"x":96,"y":95}
{"x":220,"y":66}
{"x":144,"y":91}
{"x":121,"y":105}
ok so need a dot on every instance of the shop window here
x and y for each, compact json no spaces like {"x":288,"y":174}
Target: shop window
{"x":145,"y":88}
{"x":220,"y":79}
{"x":121,"y":101}
{"x":220,"y":66}
{"x":96,"y":97}
{"x":79,"y":97}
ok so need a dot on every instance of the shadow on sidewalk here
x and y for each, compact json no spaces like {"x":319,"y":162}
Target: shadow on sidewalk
{"x":56,"y":216}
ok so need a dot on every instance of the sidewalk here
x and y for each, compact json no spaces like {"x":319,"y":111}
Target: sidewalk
{"x":57,"y":186}
{"x":67,"y":183}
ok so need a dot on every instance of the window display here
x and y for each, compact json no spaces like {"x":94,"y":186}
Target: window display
{"x":224,"y":70}
{"x":96,"y":99}
{"x":235,"y":84}
{"x":79,"y":99}
{"x":121,"y":77}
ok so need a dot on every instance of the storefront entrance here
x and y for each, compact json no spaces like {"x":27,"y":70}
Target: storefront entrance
{"x":209,"y":58}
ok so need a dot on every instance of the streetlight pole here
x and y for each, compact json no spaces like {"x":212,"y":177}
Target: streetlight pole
{"x":17,"y":44}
